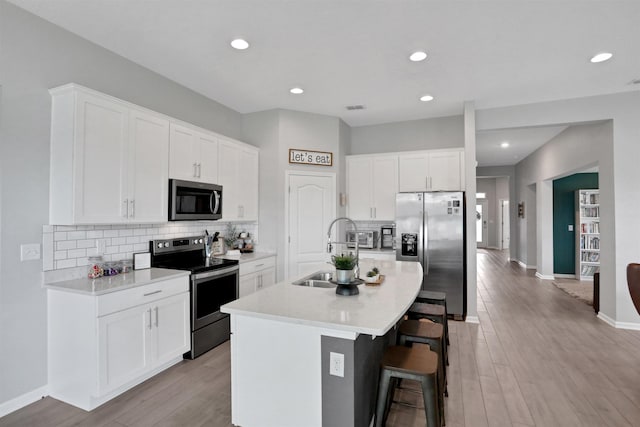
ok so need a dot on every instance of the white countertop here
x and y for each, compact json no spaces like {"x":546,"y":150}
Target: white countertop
{"x":374,"y":311}
{"x":105,"y":285}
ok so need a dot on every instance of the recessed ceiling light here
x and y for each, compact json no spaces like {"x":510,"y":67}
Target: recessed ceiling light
{"x":504,"y":144}
{"x":418,"y":56}
{"x":296,"y":90}
{"x":426,"y":98}
{"x":601,"y":57}
{"x":239,"y":44}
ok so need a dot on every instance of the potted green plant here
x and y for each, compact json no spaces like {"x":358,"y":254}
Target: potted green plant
{"x":344,"y":265}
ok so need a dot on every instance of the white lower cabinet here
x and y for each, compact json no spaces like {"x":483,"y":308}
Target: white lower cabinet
{"x":100,"y":346}
{"x":257,"y":275}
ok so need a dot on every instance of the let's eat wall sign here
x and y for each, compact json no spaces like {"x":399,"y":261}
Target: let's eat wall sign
{"x":306,"y":157}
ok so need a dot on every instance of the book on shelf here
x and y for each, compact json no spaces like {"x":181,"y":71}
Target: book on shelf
{"x":590,"y":211}
{"x":587,"y":198}
{"x":589,"y":242}
{"x":590,"y":256}
{"x":589,"y":270}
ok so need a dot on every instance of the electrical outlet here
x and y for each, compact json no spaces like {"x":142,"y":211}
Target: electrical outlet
{"x":336,"y":364}
{"x":29,"y":251}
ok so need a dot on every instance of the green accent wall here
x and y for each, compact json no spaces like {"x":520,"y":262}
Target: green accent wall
{"x":564,"y":214}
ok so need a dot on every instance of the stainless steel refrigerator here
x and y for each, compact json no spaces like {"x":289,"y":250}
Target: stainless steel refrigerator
{"x":430,"y":229}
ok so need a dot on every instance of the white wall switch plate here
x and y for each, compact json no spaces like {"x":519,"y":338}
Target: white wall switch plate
{"x":570,"y":227}
{"x":336,"y":364}
{"x":29,"y":251}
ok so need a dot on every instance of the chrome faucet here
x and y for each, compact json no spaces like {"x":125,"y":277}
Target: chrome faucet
{"x":329,"y":242}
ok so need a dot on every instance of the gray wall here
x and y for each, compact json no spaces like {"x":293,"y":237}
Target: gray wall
{"x":488,"y":186}
{"x":36,"y":56}
{"x":426,"y":134}
{"x":275,"y":132}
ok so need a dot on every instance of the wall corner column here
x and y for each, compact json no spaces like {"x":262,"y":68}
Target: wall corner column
{"x":470,"y":191}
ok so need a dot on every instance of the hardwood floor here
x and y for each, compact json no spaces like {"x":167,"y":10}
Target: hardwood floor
{"x":538,"y":358}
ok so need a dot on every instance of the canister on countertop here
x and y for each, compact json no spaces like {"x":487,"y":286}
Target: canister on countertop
{"x":96,"y":267}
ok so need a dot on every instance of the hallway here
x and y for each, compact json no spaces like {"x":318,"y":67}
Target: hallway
{"x":539,"y":357}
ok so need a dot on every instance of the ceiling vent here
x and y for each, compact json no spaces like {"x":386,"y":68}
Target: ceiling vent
{"x":354,"y":107}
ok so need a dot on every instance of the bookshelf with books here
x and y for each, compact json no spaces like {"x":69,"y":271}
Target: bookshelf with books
{"x":587,"y":233}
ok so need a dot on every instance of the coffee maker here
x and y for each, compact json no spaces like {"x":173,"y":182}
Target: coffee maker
{"x":387,"y":237}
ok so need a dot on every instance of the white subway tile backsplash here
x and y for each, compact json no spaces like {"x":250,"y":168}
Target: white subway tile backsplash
{"x":77,"y":253}
{"x":118,"y":241}
{"x":95,"y":234}
{"x":87,"y":243}
{"x":63,"y":245}
{"x":110,"y":233}
{"x":76,"y":235}
{"x":65,"y":263}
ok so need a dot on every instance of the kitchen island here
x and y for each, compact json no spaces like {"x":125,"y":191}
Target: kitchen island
{"x":286,"y":338}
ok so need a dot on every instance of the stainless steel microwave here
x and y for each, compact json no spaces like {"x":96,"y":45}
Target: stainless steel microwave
{"x":192,"y":201}
{"x":367,"y":239}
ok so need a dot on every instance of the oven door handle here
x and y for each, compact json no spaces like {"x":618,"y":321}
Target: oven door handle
{"x":214,"y":273}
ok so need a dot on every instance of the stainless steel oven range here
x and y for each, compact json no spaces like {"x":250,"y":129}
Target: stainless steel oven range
{"x":214,"y":282}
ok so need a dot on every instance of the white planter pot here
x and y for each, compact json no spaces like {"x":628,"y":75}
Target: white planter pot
{"x":344,"y":277}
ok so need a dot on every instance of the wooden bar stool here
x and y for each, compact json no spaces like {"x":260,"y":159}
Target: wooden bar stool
{"x":434,"y":297}
{"x":416,"y":363}
{"x":435,"y":312}
{"x":415,"y":331}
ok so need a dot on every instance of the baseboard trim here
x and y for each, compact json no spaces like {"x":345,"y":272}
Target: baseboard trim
{"x":618,"y":325}
{"x":22,"y":401}
{"x":545,"y":276}
{"x":472,"y":319}
{"x":523,"y":265}
{"x":564,"y":276}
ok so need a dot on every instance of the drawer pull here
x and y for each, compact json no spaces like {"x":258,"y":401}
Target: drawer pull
{"x":259,"y":265}
{"x":152,"y":293}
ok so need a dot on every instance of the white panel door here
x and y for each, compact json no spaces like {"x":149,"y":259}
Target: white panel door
{"x":123,"y":346}
{"x":444,"y":171}
{"x":172,"y":337}
{"x":148,"y":175}
{"x":505,"y":238}
{"x":359,"y":205}
{"x":207,"y":158}
{"x":183,"y":151}
{"x":385,"y":187}
{"x":100,"y":161}
{"x":413,"y":172}
{"x":312,"y":207}
{"x":228,"y":165}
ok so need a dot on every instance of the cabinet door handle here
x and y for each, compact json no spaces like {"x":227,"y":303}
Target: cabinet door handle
{"x":152,"y":293}
{"x":259,"y":265}
{"x":199,"y":170}
{"x":195,"y":170}
{"x":156,"y":310}
{"x":149,"y":311}
{"x":132,"y":207}
{"x":375,"y":213}
{"x":126,"y":208}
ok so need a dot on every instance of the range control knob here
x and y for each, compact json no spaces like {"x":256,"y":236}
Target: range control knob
{"x":200,"y":240}
{"x":166,"y":244}
{"x":160,"y":245}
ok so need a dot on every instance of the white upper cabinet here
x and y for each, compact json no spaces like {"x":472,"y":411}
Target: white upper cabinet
{"x":193,"y":155}
{"x":436,"y":170}
{"x":108,"y":161}
{"x":372,"y":184}
{"x":238,"y":175}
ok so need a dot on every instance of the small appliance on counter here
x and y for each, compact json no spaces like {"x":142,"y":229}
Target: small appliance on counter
{"x":367,"y":239}
{"x":388,"y":237}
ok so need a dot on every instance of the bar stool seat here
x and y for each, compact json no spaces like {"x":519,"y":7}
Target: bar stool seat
{"x":415,"y":331}
{"x":416,"y":363}
{"x":434,"y":297}
{"x":434,"y":312}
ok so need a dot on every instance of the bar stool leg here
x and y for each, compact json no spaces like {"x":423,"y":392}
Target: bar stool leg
{"x":383,"y":397}
{"x":429,"y":394}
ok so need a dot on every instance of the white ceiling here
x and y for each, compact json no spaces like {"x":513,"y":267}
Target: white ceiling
{"x":345,"y":52}
{"x":522,"y":142}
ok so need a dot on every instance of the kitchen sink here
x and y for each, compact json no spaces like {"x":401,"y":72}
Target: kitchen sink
{"x":319,"y":279}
